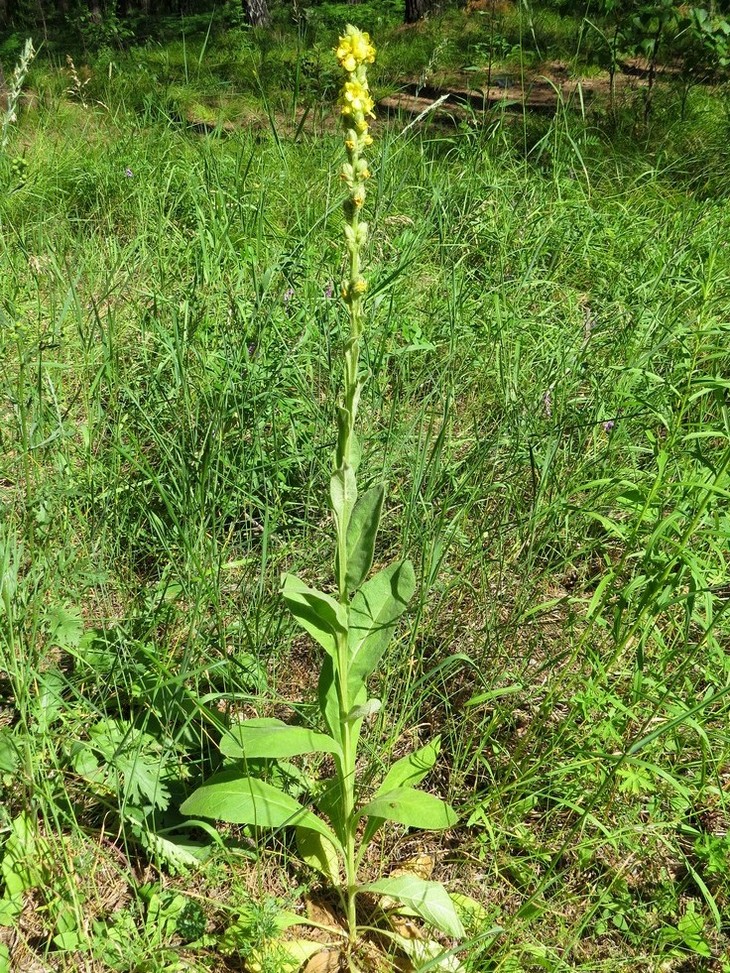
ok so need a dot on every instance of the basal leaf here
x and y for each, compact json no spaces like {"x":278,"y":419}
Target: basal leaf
{"x":245,"y":800}
{"x":374,"y":612}
{"x":362,"y":530}
{"x":318,"y":614}
{"x":413,"y":808}
{"x":429,"y":900}
{"x":274,"y":740}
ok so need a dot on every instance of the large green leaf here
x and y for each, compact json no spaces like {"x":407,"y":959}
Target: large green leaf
{"x":361,"y":533}
{"x":245,"y":800}
{"x":320,"y":853}
{"x":429,"y":900}
{"x":406,"y":772}
{"x":329,"y":703}
{"x":328,"y":801}
{"x":343,"y":493}
{"x":345,"y":423}
{"x":411,"y":769}
{"x":374,"y":612}
{"x":317,"y":613}
{"x":412,"y":808}
{"x":273,"y":740}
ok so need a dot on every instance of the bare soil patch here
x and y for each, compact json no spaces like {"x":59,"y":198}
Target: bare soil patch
{"x":541,"y":92}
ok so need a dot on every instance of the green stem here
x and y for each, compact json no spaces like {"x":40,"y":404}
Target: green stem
{"x":345,"y":457}
{"x":348,"y":793}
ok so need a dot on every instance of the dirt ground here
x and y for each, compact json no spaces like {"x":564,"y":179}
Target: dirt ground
{"x":538,"y":91}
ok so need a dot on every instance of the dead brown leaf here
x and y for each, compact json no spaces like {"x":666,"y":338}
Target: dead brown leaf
{"x":328,"y":961}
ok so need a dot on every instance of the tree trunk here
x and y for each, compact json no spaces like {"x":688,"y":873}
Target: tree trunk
{"x":257,"y":13}
{"x":416,"y":10}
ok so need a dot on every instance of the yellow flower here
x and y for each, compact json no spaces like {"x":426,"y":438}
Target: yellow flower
{"x":354,"y":49}
{"x":356,"y":100}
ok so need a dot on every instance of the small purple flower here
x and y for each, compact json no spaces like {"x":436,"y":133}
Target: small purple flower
{"x":288,"y":294}
{"x":251,"y":349}
{"x":608,"y":426}
{"x":547,"y":403}
{"x":128,"y":173}
{"x":329,"y":290}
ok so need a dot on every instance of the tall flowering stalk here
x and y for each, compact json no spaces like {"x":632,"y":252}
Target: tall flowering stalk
{"x":354,"y":629}
{"x":354,"y":53}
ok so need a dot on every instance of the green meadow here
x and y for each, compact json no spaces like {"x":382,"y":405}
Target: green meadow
{"x":548,"y":400}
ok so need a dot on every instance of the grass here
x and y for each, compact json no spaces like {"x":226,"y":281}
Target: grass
{"x":549,"y":406}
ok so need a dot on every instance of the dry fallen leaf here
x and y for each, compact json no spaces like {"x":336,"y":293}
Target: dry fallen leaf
{"x":318,"y":910}
{"x":326,"y":961}
{"x":405,"y":927}
{"x":421,"y":865}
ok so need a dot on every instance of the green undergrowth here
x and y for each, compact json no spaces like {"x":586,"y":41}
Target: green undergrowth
{"x":549,"y":406}
{"x":215,"y":62}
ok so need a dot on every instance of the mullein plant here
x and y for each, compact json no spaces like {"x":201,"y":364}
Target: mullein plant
{"x":353,"y":628}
